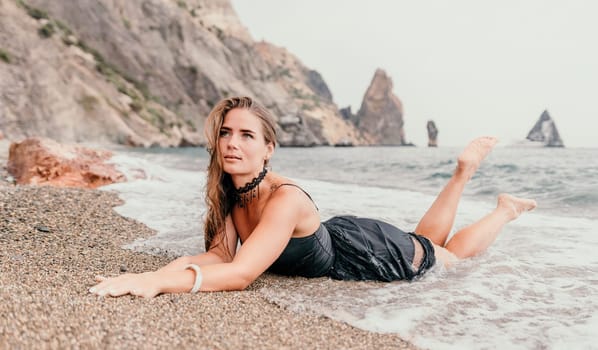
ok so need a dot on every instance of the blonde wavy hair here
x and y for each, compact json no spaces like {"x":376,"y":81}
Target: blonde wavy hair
{"x":219,"y":186}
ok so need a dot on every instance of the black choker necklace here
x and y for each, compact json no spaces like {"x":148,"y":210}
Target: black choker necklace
{"x":244,"y":195}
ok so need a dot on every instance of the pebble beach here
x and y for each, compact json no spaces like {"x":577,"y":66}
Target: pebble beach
{"x":53,"y":241}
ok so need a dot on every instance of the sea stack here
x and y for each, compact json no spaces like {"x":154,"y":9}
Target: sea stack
{"x":381,"y":113}
{"x":545,"y":131}
{"x":432,"y":134}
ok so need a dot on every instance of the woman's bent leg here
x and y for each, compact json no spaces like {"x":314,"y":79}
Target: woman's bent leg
{"x":477,"y":237}
{"x":444,"y":256}
{"x":436,"y":224}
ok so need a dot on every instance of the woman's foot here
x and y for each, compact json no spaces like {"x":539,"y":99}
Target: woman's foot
{"x":469,"y":160}
{"x":515,"y":206}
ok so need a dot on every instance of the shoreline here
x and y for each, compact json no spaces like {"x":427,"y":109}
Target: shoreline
{"x":53,"y":241}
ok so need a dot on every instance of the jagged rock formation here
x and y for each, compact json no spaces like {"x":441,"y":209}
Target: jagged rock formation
{"x":307,"y":115}
{"x":347,"y":114}
{"x":147,"y":73}
{"x":381,"y":112}
{"x":545,"y":131}
{"x":432,"y":134}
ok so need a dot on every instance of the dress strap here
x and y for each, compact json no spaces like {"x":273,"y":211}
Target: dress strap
{"x":302,"y":190}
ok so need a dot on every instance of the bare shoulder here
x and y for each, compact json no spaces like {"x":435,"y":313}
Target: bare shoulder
{"x":290,"y":199}
{"x":290,"y":192}
{"x":285,"y":187}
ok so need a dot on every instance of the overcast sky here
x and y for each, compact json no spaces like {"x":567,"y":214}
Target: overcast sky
{"x":474,"y":67}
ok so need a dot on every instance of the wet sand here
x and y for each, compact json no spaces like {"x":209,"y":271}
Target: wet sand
{"x":54,"y":241}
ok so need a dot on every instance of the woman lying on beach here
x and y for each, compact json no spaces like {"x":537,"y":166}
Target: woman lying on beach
{"x":279,"y":226}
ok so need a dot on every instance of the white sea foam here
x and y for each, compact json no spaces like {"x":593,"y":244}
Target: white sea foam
{"x":167,"y":200}
{"x":535,"y":288}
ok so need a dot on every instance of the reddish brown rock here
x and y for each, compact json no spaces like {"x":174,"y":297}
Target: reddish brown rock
{"x":45,"y":162}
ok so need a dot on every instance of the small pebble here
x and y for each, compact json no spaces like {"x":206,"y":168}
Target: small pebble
{"x":42,"y":228}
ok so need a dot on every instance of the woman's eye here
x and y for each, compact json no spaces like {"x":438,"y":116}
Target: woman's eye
{"x":223,"y":133}
{"x":248,"y":136}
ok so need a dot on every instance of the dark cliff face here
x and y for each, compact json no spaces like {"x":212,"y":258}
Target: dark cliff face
{"x":545,"y":131}
{"x":381,"y":112}
{"x":147,"y":73}
{"x":318,"y":85}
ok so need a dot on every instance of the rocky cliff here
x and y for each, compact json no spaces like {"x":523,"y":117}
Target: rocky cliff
{"x":381,"y":113}
{"x":545,"y":131}
{"x":147,"y":72}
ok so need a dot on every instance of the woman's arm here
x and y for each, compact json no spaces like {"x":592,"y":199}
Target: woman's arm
{"x":258,"y":252}
{"x":149,"y":284}
{"x":207,"y":258}
{"x":215,"y":255}
{"x":284,"y":210}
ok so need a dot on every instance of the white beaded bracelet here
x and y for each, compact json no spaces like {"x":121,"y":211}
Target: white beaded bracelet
{"x":198,"y":277}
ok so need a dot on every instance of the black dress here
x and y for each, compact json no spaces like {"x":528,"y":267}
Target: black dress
{"x":352,"y":248}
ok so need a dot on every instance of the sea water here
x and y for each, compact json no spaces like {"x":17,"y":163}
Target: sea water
{"x":536,"y":287}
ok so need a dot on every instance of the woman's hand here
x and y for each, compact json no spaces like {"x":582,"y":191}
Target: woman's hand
{"x":143,"y":284}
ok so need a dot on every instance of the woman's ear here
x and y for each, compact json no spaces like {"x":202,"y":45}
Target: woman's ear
{"x":269,"y":152}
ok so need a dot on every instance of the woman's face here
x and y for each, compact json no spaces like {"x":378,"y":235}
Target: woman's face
{"x":243,"y":148}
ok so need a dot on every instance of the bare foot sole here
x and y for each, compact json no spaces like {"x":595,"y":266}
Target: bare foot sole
{"x":515,"y":205}
{"x":469,"y":160}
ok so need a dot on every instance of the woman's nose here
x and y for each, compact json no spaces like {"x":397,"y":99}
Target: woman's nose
{"x":232,"y":142}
